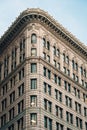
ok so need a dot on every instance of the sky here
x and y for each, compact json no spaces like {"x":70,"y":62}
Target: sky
{"x":72,"y":14}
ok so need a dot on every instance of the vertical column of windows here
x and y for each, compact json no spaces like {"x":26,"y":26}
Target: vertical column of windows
{"x":22,"y":50}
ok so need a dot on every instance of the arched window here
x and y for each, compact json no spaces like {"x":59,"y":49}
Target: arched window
{"x":48,"y":45}
{"x":33,"y":38}
{"x":44,"y":42}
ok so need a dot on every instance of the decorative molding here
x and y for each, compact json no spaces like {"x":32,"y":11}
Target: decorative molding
{"x":42,"y":17}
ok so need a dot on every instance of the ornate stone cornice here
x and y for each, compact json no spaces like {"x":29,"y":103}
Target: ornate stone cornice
{"x":42,"y":17}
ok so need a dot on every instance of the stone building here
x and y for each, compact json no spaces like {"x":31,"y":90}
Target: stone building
{"x":43,"y":76}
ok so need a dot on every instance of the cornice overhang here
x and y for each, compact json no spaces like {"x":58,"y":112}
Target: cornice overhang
{"x":38,"y":15}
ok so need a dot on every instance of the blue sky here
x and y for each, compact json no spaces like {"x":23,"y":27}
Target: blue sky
{"x":72,"y":14}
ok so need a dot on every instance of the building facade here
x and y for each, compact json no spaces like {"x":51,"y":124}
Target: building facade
{"x":43,"y":76}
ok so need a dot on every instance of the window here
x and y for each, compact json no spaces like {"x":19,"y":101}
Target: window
{"x":4,"y":89}
{"x":22,"y":50}
{"x":48,"y":58}
{"x":68,"y":101}
{"x":49,"y":74}
{"x":78,"y":122}
{"x":46,"y":72}
{"x":33,"y":52}
{"x":4,"y":104}
{"x":11,"y":114}
{"x":78,"y":107}
{"x":59,"y":126}
{"x":66,"y":71}
{"x":12,"y":97}
{"x":13,"y":81}
{"x":85,"y":111}
{"x":33,"y":83}
{"x":44,"y":55}
{"x":75,"y":77}
{"x":55,"y":64}
{"x":67,"y":59}
{"x":58,"y":52}
{"x":67,"y":86}
{"x":54,"y":50}
{"x":69,"y":117}
{"x":20,"y":123}
{"x":21,"y":74}
{"x":21,"y":89}
{"x":21,"y":106}
{"x":44,"y":42}
{"x":33,"y":101}
{"x":3,"y":120}
{"x":33,"y":119}
{"x":84,"y":97}
{"x":0,"y":71}
{"x":47,"y":88}
{"x":11,"y":127}
{"x":74,"y":65}
{"x":6,"y":66}
{"x":77,"y":92}
{"x":47,"y":105}
{"x":58,"y":65}
{"x":33,"y":67}
{"x":48,"y":45}
{"x":64,"y":58}
{"x":33,"y":38}
{"x":57,"y":80}
{"x":58,"y":95}
{"x":47,"y":123}
{"x":69,"y":129}
{"x":85,"y":125}
{"x":14,"y":54}
{"x":59,"y":111}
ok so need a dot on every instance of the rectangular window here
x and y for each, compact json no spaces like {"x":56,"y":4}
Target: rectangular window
{"x":69,"y":117}
{"x":0,"y":71}
{"x":58,"y":95}
{"x":78,"y":122}
{"x":21,"y":74}
{"x":33,"y":67}
{"x":33,"y":119}
{"x":85,"y":111}
{"x":47,"y":88}
{"x":59,"y":111}
{"x":11,"y":114}
{"x":49,"y":74}
{"x":78,"y":107}
{"x":12,"y":97}
{"x":3,"y":120}
{"x":33,"y":52}
{"x":33,"y":83}
{"x":85,"y":125}
{"x":47,"y":105}
{"x":21,"y":89}
{"x":44,"y":71}
{"x":20,"y":106}
{"x":59,"y":126}
{"x":47,"y":123}
{"x":11,"y":127}
{"x":68,"y":101}
{"x":22,"y":50}
{"x":33,"y":101}
{"x":77,"y":92}
{"x":4,"y":104}
{"x":57,"y":80}
{"x":20,"y":123}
